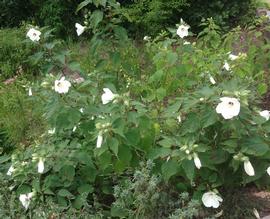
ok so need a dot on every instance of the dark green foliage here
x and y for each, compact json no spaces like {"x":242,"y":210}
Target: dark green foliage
{"x":13,"y":12}
{"x":149,"y":17}
{"x":59,"y":15}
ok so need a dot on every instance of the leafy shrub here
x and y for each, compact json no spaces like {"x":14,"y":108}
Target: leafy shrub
{"x":14,"y":53}
{"x":171,"y":112}
{"x":149,"y":17}
{"x":59,"y":15}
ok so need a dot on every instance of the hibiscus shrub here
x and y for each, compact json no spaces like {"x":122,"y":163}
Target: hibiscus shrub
{"x":191,"y":108}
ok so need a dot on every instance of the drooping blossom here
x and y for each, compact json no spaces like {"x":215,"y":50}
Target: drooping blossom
{"x":99,"y":140}
{"x":41,"y":166}
{"x":197,"y":161}
{"x":249,"y":168}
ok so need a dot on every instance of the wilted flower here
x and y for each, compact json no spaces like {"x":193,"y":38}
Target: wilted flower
{"x":249,"y":168}
{"x":182,"y":30}
{"x":233,"y":57}
{"x":226,"y":66}
{"x":107,"y":96}
{"x":33,"y":34}
{"x":40,"y":165}
{"x":256,"y":213}
{"x":186,"y":43}
{"x":146,"y":38}
{"x":30,"y":91}
{"x":25,"y":199}
{"x":228,"y":108}
{"x":81,"y":110}
{"x":211,"y":199}
{"x":212,"y":80}
{"x":51,"y":131}
{"x":62,"y":86}
{"x":197,"y":161}
{"x":265,"y":114}
{"x":10,"y":170}
{"x":79,"y":29}
{"x":99,"y":140}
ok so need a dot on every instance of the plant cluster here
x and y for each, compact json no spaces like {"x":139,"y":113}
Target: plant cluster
{"x":194,"y":110}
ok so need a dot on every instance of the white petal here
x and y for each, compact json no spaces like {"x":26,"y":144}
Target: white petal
{"x":24,"y":200}
{"x":99,"y":140}
{"x":249,"y":168}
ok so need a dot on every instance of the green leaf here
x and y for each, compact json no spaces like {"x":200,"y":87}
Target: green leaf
{"x":125,"y":154}
{"x":67,"y":172}
{"x":113,"y":145}
{"x":254,"y":146}
{"x":133,"y":136}
{"x":169,"y":169}
{"x":85,"y":189}
{"x":96,"y":18}
{"x":65,"y":193}
{"x":189,"y":168}
{"x":82,"y":5}
{"x":172,"y":58}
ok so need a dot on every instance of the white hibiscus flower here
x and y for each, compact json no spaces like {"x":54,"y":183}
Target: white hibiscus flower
{"x":211,"y":199}
{"x":26,"y":199}
{"x":108,"y":96}
{"x":228,"y":108}
{"x":182,"y":30}
{"x":33,"y":34}
{"x":79,"y":29}
{"x":62,"y":86}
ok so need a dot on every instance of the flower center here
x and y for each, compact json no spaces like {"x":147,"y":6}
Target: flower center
{"x":230,"y":103}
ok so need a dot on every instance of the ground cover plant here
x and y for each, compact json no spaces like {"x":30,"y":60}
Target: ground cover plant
{"x":160,"y":128}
